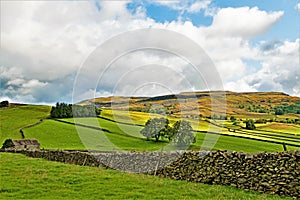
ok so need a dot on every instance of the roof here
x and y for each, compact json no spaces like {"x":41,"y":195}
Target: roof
{"x":26,"y":142}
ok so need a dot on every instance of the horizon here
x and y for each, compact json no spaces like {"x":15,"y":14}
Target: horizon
{"x":250,"y":46}
{"x":181,"y":93}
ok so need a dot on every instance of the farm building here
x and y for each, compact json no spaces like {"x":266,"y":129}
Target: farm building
{"x":24,"y":144}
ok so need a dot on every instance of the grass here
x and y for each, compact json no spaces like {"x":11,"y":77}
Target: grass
{"x":12,"y":119}
{"x":58,"y":135}
{"x":280,"y":127}
{"x":142,"y":117}
{"x":31,"y":178}
{"x":235,"y":144}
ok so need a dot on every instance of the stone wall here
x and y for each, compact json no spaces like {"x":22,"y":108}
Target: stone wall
{"x":273,"y":173}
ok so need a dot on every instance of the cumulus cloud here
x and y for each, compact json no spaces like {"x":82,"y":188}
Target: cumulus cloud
{"x":280,"y":70}
{"x":244,"y":21}
{"x":41,"y":51}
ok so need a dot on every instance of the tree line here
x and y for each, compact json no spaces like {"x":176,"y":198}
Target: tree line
{"x":63,"y":110}
{"x":159,"y":128}
{"x":4,"y":104}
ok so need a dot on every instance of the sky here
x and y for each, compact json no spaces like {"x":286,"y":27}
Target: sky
{"x":49,"y":49}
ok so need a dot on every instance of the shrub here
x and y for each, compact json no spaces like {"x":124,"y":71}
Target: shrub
{"x":7,"y":144}
{"x":4,"y":104}
{"x":278,"y":111}
{"x":232,"y":118}
{"x":250,"y":124}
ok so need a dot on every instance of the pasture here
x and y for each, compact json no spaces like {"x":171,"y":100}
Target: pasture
{"x":58,"y":135}
{"x":32,"y":178}
{"x":13,"y":119}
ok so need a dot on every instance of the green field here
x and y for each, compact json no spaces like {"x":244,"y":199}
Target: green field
{"x":36,"y":177}
{"x":141,"y":118}
{"x":51,"y":136}
{"x":31,"y":178}
{"x":12,"y":119}
{"x":57,"y":135}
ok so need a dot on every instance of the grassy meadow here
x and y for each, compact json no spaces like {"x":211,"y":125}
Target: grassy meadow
{"x":32,"y":178}
{"x":15,"y":118}
{"x":58,"y":135}
{"x":35,"y":178}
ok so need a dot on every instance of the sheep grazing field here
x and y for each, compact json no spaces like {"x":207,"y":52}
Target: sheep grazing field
{"x":119,"y":129}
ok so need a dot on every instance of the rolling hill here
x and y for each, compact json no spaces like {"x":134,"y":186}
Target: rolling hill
{"x":193,"y":105}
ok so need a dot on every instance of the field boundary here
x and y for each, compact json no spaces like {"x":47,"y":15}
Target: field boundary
{"x":30,"y":126}
{"x":118,"y":122}
{"x":83,"y":125}
{"x":273,"y":173}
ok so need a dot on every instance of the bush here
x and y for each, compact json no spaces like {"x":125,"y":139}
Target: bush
{"x":4,"y":104}
{"x":232,"y":118}
{"x":250,"y":124}
{"x":7,"y":144}
{"x":279,"y":111}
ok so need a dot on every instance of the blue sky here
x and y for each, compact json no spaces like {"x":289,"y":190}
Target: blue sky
{"x":253,"y":44}
{"x":287,"y":28}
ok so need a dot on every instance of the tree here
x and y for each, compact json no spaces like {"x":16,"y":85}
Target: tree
{"x":183,"y":133}
{"x":279,"y":111}
{"x":4,"y":104}
{"x":250,"y":124}
{"x":232,"y":118}
{"x":63,"y":110}
{"x":7,"y":143}
{"x":167,"y":132}
{"x":155,"y":128}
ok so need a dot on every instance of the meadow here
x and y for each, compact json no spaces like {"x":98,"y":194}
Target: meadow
{"x":17,"y":117}
{"x":51,"y":136}
{"x":58,"y":135}
{"x":33,"y":178}
{"x":36,"y":177}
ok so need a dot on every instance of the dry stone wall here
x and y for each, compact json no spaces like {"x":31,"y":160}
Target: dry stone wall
{"x":273,"y":173}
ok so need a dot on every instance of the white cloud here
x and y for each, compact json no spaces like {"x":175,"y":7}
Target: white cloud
{"x":50,"y":46}
{"x":175,"y":5}
{"x":244,"y":21}
{"x":198,"y":5}
{"x":193,"y":6}
{"x":239,"y":86}
{"x":280,"y":70}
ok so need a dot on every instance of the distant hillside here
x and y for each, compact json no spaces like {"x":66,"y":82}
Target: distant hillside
{"x":191,"y":104}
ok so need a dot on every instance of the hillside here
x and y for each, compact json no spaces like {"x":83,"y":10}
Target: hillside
{"x":196,"y":104}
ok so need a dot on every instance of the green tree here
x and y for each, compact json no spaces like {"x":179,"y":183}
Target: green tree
{"x":183,"y":133}
{"x":7,"y":143}
{"x":167,"y":132}
{"x":250,"y":124}
{"x":232,"y":118}
{"x":4,"y":104}
{"x":279,"y":111}
{"x":155,"y":128}
{"x":63,"y":110}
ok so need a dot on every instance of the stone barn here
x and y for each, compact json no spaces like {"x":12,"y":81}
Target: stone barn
{"x":25,"y":144}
